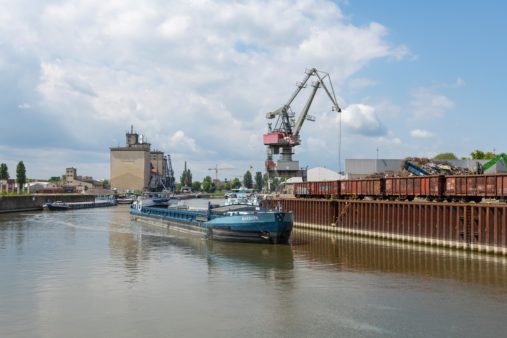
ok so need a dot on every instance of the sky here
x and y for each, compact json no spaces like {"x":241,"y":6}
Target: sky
{"x":197,"y":77}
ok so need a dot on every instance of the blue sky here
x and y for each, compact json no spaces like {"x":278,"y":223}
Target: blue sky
{"x":413,"y":78}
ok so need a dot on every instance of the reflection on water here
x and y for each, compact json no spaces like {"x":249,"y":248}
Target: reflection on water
{"x":97,"y":273}
{"x":125,"y":245}
{"x":132,"y":242}
{"x":343,"y":252}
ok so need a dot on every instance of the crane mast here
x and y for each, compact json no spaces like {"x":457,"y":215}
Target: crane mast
{"x":285,"y":134}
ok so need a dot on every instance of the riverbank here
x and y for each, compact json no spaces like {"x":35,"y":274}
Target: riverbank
{"x":35,"y":202}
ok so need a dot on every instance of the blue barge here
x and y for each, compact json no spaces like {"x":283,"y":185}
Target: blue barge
{"x":255,"y":226}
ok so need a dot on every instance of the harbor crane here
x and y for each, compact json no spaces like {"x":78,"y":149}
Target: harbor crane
{"x":284,"y":135}
{"x":216,"y":169}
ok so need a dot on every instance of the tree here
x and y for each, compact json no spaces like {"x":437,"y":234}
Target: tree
{"x":106,"y":184}
{"x":235,"y":184}
{"x":258,"y":181}
{"x":4,"y":172}
{"x":247,"y":180}
{"x":208,"y":185}
{"x":489,"y":155}
{"x":224,"y":186}
{"x":445,"y":156}
{"x":178,"y":186}
{"x":186,"y":177}
{"x":477,"y":154}
{"x":20,"y":175}
{"x":275,"y":184}
{"x":481,"y":155}
{"x":196,"y":186}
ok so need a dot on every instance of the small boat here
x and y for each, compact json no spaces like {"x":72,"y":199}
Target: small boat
{"x":224,"y":224}
{"x":156,"y":200}
{"x":61,"y":206}
{"x":125,"y":200}
{"x":58,"y":205}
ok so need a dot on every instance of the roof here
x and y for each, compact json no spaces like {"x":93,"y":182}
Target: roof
{"x":318,"y":174}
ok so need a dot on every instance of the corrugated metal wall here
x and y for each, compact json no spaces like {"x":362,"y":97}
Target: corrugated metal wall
{"x":480,"y":227}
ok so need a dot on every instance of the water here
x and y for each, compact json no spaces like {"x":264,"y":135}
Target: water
{"x":95,"y":273}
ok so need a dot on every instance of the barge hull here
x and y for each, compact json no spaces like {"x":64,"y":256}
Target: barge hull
{"x":263,"y":227}
{"x":477,"y":227}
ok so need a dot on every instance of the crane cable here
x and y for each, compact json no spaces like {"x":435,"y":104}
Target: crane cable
{"x":339,"y":125}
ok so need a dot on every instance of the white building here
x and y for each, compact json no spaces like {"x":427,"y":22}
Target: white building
{"x":318,"y":174}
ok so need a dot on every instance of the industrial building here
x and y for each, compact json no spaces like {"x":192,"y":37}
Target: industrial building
{"x":136,"y":167}
{"x":79,"y":182}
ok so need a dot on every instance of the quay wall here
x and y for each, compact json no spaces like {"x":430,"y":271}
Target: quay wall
{"x":477,"y":227}
{"x":35,"y":202}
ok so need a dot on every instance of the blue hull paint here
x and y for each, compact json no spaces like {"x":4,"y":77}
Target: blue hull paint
{"x":257,"y":227}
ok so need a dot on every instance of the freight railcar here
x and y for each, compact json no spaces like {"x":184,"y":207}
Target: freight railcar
{"x":453,"y":188}
{"x":475,"y":187}
{"x":320,"y":189}
{"x":361,"y":188}
{"x":408,"y":188}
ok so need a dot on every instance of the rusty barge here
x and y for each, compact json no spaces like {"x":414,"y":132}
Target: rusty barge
{"x":470,"y":226}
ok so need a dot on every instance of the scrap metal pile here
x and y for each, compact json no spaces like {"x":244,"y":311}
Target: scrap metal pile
{"x":411,"y":166}
{"x":432,"y":167}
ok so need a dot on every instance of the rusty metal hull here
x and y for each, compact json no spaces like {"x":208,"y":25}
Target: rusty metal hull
{"x":477,"y":227}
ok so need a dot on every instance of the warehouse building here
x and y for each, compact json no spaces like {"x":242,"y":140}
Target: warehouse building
{"x":136,"y":168}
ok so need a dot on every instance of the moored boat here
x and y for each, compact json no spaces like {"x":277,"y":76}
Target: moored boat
{"x":156,"y":200}
{"x":125,"y":200}
{"x":256,"y":226}
{"x":62,"y":206}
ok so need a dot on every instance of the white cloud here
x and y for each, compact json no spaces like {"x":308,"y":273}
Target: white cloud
{"x":315,"y":143}
{"x":362,"y":119}
{"x":421,"y":133}
{"x":426,"y":103}
{"x":24,"y":106}
{"x":204,"y":72}
{"x":174,"y":26}
{"x":185,"y":143}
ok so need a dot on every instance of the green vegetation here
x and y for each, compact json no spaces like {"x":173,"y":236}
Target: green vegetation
{"x":196,"y":186}
{"x":186,"y":177}
{"x":275,"y":182}
{"x":224,"y":186}
{"x":258,"y":181}
{"x":106,"y":184}
{"x":208,"y":185}
{"x":23,"y":193}
{"x":247,"y":180}
{"x":236,"y":183}
{"x":55,"y":179}
{"x":445,"y":156}
{"x":217,"y":194}
{"x":20,"y":175}
{"x":481,"y":155}
{"x":4,"y":172}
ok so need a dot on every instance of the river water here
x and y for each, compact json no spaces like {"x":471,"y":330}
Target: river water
{"x":96,"y":273}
